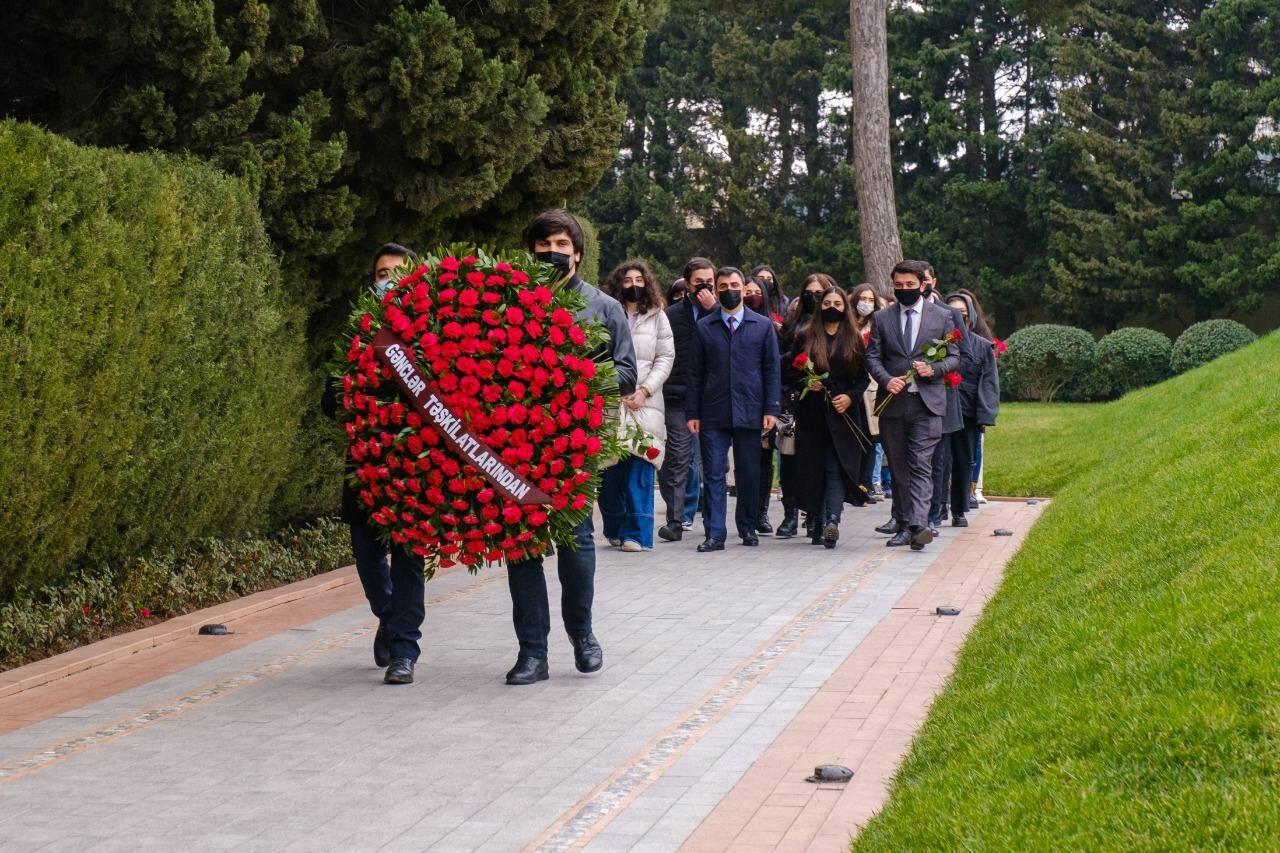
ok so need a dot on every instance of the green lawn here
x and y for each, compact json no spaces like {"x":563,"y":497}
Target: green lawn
{"x":1122,"y":690}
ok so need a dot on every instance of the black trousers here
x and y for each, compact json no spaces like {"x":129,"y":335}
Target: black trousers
{"x":941,"y":477}
{"x":964,"y":445}
{"x":909,"y":436}
{"x":787,"y":480}
{"x":766,"y":478}
{"x":394,"y":586}
{"x":677,"y":465}
{"x":530,"y":610}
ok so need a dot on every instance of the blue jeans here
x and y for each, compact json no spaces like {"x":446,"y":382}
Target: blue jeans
{"x":626,"y":501}
{"x":395,"y":588}
{"x":877,"y":467}
{"x":528,"y":584}
{"x":977,"y":458}
{"x":693,"y":487}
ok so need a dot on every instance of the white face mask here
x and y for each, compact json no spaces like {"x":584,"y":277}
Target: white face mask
{"x":381,"y":287}
{"x":865,"y":308}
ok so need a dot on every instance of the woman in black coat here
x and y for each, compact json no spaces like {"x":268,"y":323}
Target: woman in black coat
{"x":979,"y":397}
{"x":831,"y":422}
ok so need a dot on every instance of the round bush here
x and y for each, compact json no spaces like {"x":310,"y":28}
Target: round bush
{"x":1048,"y":362}
{"x":1131,"y":358}
{"x":1207,"y":340}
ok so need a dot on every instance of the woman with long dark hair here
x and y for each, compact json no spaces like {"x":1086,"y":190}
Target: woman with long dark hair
{"x":626,"y":488}
{"x":979,"y":394}
{"x":774,"y":300}
{"x":831,"y":423}
{"x":798,"y":314}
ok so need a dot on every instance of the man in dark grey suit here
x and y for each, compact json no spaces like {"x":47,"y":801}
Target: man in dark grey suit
{"x":911,"y":424}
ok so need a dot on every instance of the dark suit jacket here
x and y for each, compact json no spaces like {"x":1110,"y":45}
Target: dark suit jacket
{"x":680,"y":315}
{"x":734,"y":380}
{"x":887,"y":354}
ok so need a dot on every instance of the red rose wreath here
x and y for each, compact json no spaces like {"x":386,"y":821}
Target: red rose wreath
{"x":496,"y":341}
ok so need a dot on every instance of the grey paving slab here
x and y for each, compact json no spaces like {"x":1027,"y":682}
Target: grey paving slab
{"x":293,"y":743}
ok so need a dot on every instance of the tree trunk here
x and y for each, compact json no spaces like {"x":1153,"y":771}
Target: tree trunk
{"x":872,"y":163}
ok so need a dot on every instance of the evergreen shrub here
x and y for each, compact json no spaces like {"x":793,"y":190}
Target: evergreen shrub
{"x":1206,"y":340}
{"x":1129,"y":359}
{"x":152,"y":374}
{"x":1048,"y":362}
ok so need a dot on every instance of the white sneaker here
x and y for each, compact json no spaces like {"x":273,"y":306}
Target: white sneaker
{"x":687,"y":525}
{"x":979,"y":497}
{"x":617,"y":543}
{"x":632,"y":547}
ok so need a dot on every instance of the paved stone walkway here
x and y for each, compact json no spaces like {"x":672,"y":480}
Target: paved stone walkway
{"x":727,"y":678}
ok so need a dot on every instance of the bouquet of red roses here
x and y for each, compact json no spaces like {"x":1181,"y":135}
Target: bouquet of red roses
{"x":477,"y":420}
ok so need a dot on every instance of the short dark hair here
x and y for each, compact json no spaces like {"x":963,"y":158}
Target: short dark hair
{"x":555,"y":221}
{"x":696,"y":264}
{"x":928,"y":268}
{"x":915,"y":268}
{"x":392,"y":249}
{"x":728,"y":271}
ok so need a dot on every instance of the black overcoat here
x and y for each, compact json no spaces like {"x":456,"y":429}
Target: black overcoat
{"x":819,"y":425}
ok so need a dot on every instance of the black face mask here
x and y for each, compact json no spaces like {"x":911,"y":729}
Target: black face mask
{"x":906,"y":296}
{"x":753,"y":301}
{"x":559,"y":260}
{"x":730,"y":299}
{"x":832,"y":315}
{"x":809,"y":301}
{"x":632,"y":293}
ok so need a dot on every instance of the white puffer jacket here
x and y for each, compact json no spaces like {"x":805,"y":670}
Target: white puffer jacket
{"x":655,"y":348}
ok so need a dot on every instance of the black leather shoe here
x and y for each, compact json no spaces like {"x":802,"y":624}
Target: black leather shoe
{"x":587,"y":654}
{"x":763,"y":527}
{"x":787,"y":528}
{"x":920,"y":538}
{"x":711,"y":545}
{"x":959,"y":521}
{"x":943,"y":516}
{"x":751,"y":541}
{"x":888,"y":528}
{"x":830,"y":534}
{"x":973,"y":502}
{"x":528,"y":670}
{"x":382,"y":646}
{"x":671,"y":533}
{"x":399,"y":672}
{"x":902,"y":537}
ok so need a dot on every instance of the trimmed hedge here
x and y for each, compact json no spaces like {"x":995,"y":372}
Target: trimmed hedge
{"x":1206,"y":340}
{"x":1129,"y":359}
{"x":1048,"y":362}
{"x":97,"y":604}
{"x":152,"y":375}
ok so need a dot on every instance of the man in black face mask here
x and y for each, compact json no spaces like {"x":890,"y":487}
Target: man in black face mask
{"x":555,"y":237}
{"x":734,"y":391}
{"x":911,"y":424}
{"x":677,"y":465}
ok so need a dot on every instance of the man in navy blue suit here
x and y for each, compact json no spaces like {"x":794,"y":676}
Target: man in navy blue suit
{"x":734,"y":393}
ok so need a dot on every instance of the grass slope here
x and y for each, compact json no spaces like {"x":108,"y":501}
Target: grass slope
{"x":1122,"y":690}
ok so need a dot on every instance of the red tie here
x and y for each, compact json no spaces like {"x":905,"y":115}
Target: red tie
{"x":733,"y":325}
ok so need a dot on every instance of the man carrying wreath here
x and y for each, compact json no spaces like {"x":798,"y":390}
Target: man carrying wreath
{"x":555,"y":237}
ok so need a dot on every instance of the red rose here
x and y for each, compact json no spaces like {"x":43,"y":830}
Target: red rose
{"x":469,"y":298}
{"x":145,"y":613}
{"x":652,"y":453}
{"x":800,"y":361}
{"x":515,"y":316}
{"x":366,"y":322}
{"x":450,"y":263}
{"x":953,"y":379}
